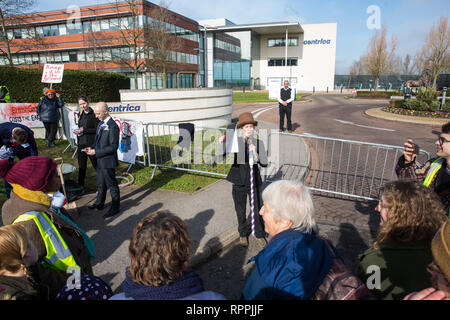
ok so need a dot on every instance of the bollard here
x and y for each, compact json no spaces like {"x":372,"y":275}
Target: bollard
{"x":314,"y":90}
{"x":444,"y":93}
{"x":341,"y":89}
{"x":327,"y":89}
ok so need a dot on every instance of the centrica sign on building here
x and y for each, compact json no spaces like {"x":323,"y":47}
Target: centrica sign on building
{"x":115,"y":108}
{"x":321,"y":41}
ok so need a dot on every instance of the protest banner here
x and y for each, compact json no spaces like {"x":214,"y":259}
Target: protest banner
{"x":52,"y":73}
{"x":23,"y":113}
{"x":131,"y":143}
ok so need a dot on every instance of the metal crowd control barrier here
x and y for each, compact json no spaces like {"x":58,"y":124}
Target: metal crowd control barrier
{"x":203,"y":154}
{"x":337,"y":166}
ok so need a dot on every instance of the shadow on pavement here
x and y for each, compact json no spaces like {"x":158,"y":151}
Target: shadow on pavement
{"x":350,"y":244}
{"x":226,"y":272}
{"x":197,"y":226}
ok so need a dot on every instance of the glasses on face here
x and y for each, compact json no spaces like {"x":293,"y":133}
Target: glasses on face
{"x":442,"y":140}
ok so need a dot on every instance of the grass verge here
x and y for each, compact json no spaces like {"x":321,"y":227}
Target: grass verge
{"x":255,"y":96}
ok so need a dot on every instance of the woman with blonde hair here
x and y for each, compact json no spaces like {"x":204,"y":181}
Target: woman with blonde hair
{"x":20,"y":275}
{"x":411,"y":214}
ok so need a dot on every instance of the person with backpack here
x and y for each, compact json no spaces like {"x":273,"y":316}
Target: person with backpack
{"x":411,"y":215}
{"x":296,"y":260}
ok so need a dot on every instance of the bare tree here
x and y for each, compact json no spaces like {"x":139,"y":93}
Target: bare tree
{"x":434,"y":56}
{"x":380,"y":55}
{"x":407,"y":68}
{"x":10,"y":15}
{"x":352,"y":72}
{"x":161,"y":42}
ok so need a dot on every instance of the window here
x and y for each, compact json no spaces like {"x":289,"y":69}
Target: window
{"x":17,"y":34}
{"x":106,"y":54}
{"x":39,"y":32}
{"x":280,"y":62}
{"x":115,"y":54}
{"x":28,"y":59}
{"x":114,"y":24}
{"x":65,"y":56}
{"x":95,"y":26}
{"x":281,"y":42}
{"x":73,"y":57}
{"x":62,"y":29}
{"x":81,"y":56}
{"x":54,"y":30}
{"x":57,"y":56}
{"x":35,"y":59}
{"x":22,"y":59}
{"x":104,"y":25}
{"x":89,"y":55}
{"x":87,"y":26}
{"x":74,"y":27}
{"x":42,"y":58}
{"x":123,"y":22}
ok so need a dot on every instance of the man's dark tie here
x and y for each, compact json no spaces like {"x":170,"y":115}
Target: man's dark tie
{"x":97,"y":137}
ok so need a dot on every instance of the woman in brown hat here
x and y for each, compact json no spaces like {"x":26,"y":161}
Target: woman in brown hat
{"x":239,"y":175}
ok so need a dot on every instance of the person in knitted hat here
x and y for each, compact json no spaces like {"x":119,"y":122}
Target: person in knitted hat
{"x":239,"y":176}
{"x":47,"y":110}
{"x":32,"y":179}
{"x":439,"y":269}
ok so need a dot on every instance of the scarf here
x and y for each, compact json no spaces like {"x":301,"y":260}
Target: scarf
{"x":30,"y":195}
{"x":190,"y":283}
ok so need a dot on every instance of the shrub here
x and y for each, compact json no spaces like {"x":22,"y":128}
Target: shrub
{"x":435,"y":105}
{"x":25,"y":84}
{"x":418,"y":105}
{"x":397,"y":103}
{"x":446,"y":106}
{"x":427,"y":95}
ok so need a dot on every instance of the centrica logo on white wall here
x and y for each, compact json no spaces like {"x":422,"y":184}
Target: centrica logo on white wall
{"x":127,"y":108}
{"x":317,"y":41}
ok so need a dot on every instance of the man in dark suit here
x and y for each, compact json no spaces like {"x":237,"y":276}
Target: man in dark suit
{"x":105,"y":149}
{"x":19,"y":139}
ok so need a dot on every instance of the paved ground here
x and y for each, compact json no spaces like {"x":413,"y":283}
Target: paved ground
{"x":350,"y":224}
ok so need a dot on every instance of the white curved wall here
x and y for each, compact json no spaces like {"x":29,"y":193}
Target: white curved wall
{"x":203,"y":107}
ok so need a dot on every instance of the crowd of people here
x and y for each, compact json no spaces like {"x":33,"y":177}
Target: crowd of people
{"x":45,"y":255}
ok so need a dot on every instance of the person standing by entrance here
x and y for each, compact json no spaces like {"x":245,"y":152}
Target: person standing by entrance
{"x":285,"y":106}
{"x":105,"y":149}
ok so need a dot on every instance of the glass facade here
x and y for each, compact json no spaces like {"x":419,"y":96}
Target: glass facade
{"x":232,"y":58}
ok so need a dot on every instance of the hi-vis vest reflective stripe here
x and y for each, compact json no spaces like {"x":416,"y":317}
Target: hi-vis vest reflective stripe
{"x":58,"y":253}
{"x":434,"y":168}
{"x":7,"y":97}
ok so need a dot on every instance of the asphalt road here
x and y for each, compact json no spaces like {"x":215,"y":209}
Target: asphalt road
{"x":350,"y":224}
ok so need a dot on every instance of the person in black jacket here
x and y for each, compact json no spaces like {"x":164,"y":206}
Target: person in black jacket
{"x":239,"y":175}
{"x":105,"y":149}
{"x":87,"y":128}
{"x":47,"y":111}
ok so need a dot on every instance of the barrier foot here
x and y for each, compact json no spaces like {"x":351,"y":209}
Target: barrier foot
{"x":153,"y":173}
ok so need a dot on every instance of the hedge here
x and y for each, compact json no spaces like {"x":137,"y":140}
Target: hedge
{"x":25,"y":84}
{"x":377,"y":94}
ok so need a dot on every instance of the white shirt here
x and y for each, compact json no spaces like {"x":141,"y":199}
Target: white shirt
{"x":287,"y":101}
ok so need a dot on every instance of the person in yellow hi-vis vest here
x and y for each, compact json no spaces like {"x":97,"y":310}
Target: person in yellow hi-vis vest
{"x":59,"y":241}
{"x":435,"y":173}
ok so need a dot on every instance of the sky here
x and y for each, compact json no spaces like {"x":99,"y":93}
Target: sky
{"x":408,"y":20}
